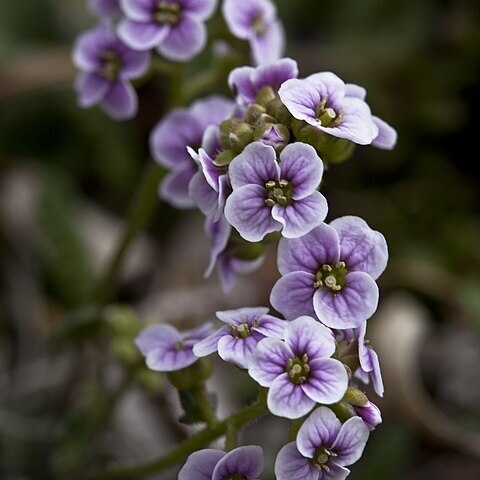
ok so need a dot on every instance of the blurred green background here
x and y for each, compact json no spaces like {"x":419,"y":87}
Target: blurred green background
{"x":66,"y":179}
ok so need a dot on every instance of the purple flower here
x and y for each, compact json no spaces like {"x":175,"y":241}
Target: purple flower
{"x":256,"y":21}
{"x":330,"y":273}
{"x":243,"y":463}
{"x":370,"y":414}
{"x":246,"y":82}
{"x":107,"y":66}
{"x":105,"y":8}
{"x":222,"y":255}
{"x":166,"y":349}
{"x":236,"y":341}
{"x":174,"y":27}
{"x":324,"y":101}
{"x":269,"y":196}
{"x":182,"y":128}
{"x":299,"y":370}
{"x":323,"y":449}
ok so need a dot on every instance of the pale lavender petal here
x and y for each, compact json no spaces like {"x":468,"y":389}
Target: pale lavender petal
{"x":387,"y":135}
{"x":185,"y":40}
{"x":237,"y":350}
{"x":327,"y":84}
{"x":157,"y":336}
{"x":238,"y":315}
{"x":170,"y":360}
{"x":327,"y":382}
{"x":269,"y":46}
{"x":199,"y":333}
{"x":364,"y":351}
{"x":336,"y":472}
{"x":121,"y":101}
{"x":246,"y":462}
{"x":87,"y":49}
{"x":292,"y":465}
{"x":239,"y":16}
{"x":91,"y":89}
{"x":301,"y":98}
{"x":200,"y":465}
{"x":142,"y":35}
{"x":274,"y":74}
{"x":219,"y":232}
{"x":210,"y":344}
{"x":292,"y":295}
{"x":255,"y":165}
{"x":351,"y":441}
{"x":240,"y":82}
{"x":349,"y":308}
{"x":204,"y":196}
{"x":200,"y":9}
{"x":174,"y":188}
{"x":301,"y":216}
{"x":104,"y":8}
{"x":269,"y":360}
{"x":352,"y":90}
{"x":302,"y":167}
{"x":134,"y":64}
{"x":212,"y":110}
{"x":210,"y":142}
{"x":370,"y":414}
{"x":211,"y":171}
{"x":306,"y":336}
{"x":361,"y":248}
{"x":246,"y":211}
{"x":376,"y":375}
{"x":286,"y":399}
{"x":139,"y":10}
{"x":319,"y":247}
{"x":321,"y":428}
{"x":270,"y":326}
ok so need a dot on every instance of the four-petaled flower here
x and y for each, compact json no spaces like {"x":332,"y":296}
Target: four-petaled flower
{"x":257,"y":22}
{"x":323,"y":449}
{"x":330,"y":273}
{"x":175,"y":27}
{"x":166,"y":349}
{"x":107,"y":66}
{"x":236,"y":341}
{"x":324,"y":101}
{"x":242,"y":463}
{"x":299,"y":371}
{"x":269,"y":196}
{"x":182,"y":128}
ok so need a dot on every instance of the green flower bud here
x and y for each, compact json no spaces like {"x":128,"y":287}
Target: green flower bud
{"x":193,"y":376}
{"x":343,"y":411}
{"x":253,"y":112}
{"x":275,"y":135}
{"x":355,"y":397}
{"x":265,"y":95}
{"x":225,"y":157}
{"x":279,"y":111}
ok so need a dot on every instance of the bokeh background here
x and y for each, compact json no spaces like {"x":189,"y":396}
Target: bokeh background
{"x":74,"y":394}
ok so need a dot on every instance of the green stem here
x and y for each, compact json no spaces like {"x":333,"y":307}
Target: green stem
{"x":204,"y":405}
{"x":231,"y":437}
{"x":139,"y":214}
{"x":190,"y":445}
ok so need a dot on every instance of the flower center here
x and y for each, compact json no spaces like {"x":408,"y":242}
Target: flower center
{"x":278,"y":193}
{"x":234,"y":477}
{"x":242,"y":330}
{"x":331,"y":277}
{"x":167,"y":12}
{"x":322,"y":457}
{"x":327,"y":116}
{"x":259,"y":26}
{"x":298,"y":369}
{"x":178,"y":345}
{"x":112,"y":65}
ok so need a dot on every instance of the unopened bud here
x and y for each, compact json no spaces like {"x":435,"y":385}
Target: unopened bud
{"x":275,"y":135}
{"x":225,"y":157}
{"x":355,"y":397}
{"x":265,"y":95}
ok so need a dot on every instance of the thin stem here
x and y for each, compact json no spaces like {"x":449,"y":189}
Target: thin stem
{"x":190,"y":445}
{"x":205,"y":405}
{"x":231,"y":437}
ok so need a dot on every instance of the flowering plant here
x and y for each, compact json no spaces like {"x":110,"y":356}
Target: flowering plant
{"x":253,"y":165}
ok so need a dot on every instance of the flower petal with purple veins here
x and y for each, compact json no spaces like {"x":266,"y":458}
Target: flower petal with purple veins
{"x":219,"y":233}
{"x":184,"y":41}
{"x":204,"y":196}
{"x":270,"y":45}
{"x":336,"y":472}
{"x":286,"y":399}
{"x":134,"y":64}
{"x":362,"y":248}
{"x":200,"y":465}
{"x":241,"y":83}
{"x":292,"y":295}
{"x":270,"y":326}
{"x":308,"y":253}
{"x":328,"y":381}
{"x":256,"y":165}
{"x":237,"y":316}
{"x":245,"y":462}
{"x":321,"y":428}
{"x":237,"y":350}
{"x":301,"y":99}
{"x":210,"y":344}
{"x":349,"y":308}
{"x":351,"y":441}
{"x":155,"y":336}
{"x":239,"y":16}
{"x":142,"y":35}
{"x":327,"y":84}
{"x":246,"y":211}
{"x":121,"y":101}
{"x":302,"y":167}
{"x":292,"y":465}
{"x":376,"y":375}
{"x":301,"y":216}
{"x":170,"y":360}
{"x":387,"y":135}
{"x":91,"y":89}
{"x":268,"y":361}
{"x":175,"y":186}
{"x":370,"y":414}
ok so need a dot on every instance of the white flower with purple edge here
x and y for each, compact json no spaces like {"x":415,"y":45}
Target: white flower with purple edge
{"x":257,"y":22}
{"x":107,"y":65}
{"x":299,"y":370}
{"x":182,"y":128}
{"x":324,"y":101}
{"x":246,"y":82}
{"x":270,"y":196}
{"x":166,"y":349}
{"x":175,"y":27}
{"x":210,"y":464}
{"x":324,"y":447}
{"x":223,"y":257}
{"x":330,"y":273}
{"x":236,"y":340}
